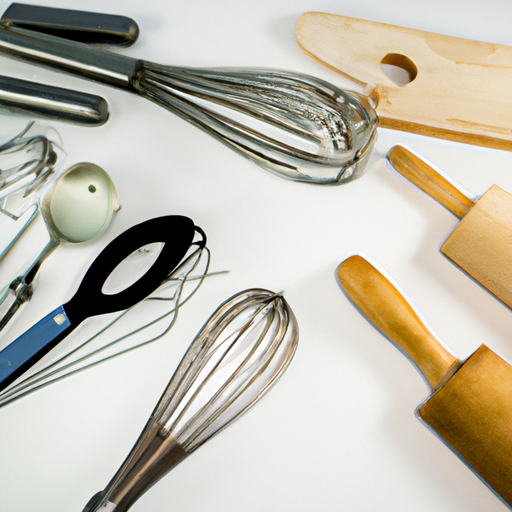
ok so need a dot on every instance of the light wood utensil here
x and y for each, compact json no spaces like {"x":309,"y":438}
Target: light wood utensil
{"x":481,"y":242}
{"x":457,"y":87}
{"x":469,"y":407}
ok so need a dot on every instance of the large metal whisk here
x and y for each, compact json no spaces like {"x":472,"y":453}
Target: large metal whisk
{"x":239,"y":353}
{"x":292,"y":124}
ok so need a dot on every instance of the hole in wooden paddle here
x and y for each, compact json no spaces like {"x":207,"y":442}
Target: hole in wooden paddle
{"x":399,"y":68}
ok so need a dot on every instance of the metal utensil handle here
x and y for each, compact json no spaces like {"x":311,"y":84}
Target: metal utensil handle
{"x":85,"y":26}
{"x":22,"y":287}
{"x":70,"y":56}
{"x":32,"y":99}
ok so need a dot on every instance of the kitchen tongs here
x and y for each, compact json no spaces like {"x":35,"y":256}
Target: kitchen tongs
{"x":21,"y":97}
{"x":292,"y":124}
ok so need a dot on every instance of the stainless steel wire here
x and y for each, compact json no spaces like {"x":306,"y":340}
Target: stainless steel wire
{"x":28,"y":162}
{"x":240,"y":352}
{"x":294,"y":125}
{"x":159,"y":312}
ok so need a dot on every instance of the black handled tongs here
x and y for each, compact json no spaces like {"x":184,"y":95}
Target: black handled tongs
{"x":33,"y":99}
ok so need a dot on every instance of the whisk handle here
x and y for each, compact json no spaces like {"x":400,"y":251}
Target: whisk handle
{"x":70,"y":56}
{"x":93,"y":502}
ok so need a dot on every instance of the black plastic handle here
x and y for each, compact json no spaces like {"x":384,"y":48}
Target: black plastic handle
{"x":174,"y":231}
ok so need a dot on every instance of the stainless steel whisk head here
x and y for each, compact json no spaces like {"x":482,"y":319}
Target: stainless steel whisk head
{"x":291,"y":124}
{"x":239,"y":353}
{"x":28,"y":162}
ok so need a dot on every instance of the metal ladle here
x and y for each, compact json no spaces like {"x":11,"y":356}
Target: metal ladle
{"x":78,"y":209}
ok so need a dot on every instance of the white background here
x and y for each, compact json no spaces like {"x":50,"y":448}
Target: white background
{"x":338,"y":432}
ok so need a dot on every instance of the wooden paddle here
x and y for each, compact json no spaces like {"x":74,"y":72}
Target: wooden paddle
{"x":457,"y":88}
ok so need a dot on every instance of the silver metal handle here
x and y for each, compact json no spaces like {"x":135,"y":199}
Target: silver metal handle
{"x":21,"y":97}
{"x":70,"y":56}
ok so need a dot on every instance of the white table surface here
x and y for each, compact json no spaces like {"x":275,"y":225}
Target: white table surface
{"x":338,"y":432}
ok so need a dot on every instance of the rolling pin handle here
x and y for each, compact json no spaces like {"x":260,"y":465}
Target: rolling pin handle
{"x":389,"y":311}
{"x":426,"y":178}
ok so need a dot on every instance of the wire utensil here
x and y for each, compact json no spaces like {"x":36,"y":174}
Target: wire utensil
{"x":30,"y":159}
{"x":291,"y":124}
{"x":237,"y":356}
{"x":125,"y":331}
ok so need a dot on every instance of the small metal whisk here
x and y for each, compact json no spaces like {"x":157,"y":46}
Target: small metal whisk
{"x":239,"y":353}
{"x":30,"y":161}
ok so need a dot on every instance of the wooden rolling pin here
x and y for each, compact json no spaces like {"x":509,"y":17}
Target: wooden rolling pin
{"x":469,"y":407}
{"x":456,"y":88}
{"x":481,"y":244}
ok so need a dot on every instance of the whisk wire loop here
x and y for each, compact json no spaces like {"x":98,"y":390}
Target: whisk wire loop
{"x":236,"y":359}
{"x":203,"y":416}
{"x":239,"y":384}
{"x":293,"y":125}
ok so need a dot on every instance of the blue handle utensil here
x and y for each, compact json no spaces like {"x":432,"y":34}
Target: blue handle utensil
{"x":176,"y":233}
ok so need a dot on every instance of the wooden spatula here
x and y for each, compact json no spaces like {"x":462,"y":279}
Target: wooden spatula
{"x":457,"y":90}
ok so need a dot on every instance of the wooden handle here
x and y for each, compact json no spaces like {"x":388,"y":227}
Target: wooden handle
{"x":388,"y":310}
{"x":457,"y":88}
{"x":429,"y":180}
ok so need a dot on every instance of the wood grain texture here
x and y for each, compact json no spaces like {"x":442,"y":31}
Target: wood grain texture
{"x":459,"y":89}
{"x":390,"y":312}
{"x":481,"y":244}
{"x":426,"y":178}
{"x":472,"y":414}
{"x":470,"y":407}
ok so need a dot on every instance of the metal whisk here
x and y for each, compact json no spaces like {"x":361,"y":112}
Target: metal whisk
{"x":236,"y":357}
{"x":292,"y":124}
{"x":29,"y":162}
